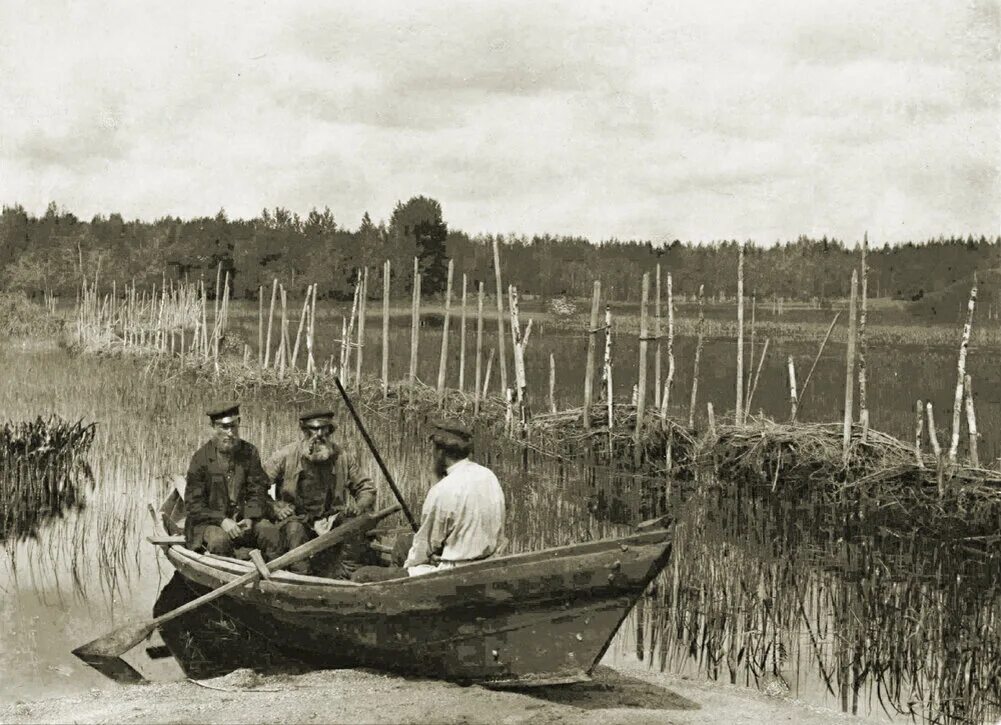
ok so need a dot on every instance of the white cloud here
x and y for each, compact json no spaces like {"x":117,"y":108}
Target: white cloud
{"x":655,"y":120}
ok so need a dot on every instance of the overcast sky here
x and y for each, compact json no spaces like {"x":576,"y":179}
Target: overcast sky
{"x":657,"y":120}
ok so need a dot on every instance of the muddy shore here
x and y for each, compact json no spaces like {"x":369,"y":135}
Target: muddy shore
{"x":358,"y":696}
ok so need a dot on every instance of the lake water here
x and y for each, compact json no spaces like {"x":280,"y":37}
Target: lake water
{"x":831,"y":600}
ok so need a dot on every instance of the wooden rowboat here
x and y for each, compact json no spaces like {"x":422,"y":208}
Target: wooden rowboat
{"x":538,"y":618}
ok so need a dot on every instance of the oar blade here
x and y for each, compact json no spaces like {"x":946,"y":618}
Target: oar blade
{"x":115,"y":643}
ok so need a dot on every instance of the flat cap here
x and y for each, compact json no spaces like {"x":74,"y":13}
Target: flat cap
{"x":445,"y":427}
{"x":317,"y":418}
{"x":223,"y":412}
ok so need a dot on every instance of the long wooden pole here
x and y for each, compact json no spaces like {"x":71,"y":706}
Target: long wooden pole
{"x":271,"y":314}
{"x":964,"y":347}
{"x":793,"y":399}
{"x":850,"y":370}
{"x":820,"y":351}
{"x":592,"y":334}
{"x":501,"y":354}
{"x":260,"y":326}
{"x":302,"y":325}
{"x":443,"y":357}
{"x":415,"y":317}
{"x":971,"y":422}
{"x":385,"y":328}
{"x":362,"y":308}
{"x":739,"y":416}
{"x":698,"y":355}
{"x":462,"y":338}
{"x":477,"y":394}
{"x":552,"y":383}
{"x":665,"y":399}
{"x":656,"y":334}
{"x":644,"y":343}
{"x":863,"y":413}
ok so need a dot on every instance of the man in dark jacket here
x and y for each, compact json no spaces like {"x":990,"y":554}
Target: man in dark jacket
{"x":226,"y":497}
{"x":317,"y":487}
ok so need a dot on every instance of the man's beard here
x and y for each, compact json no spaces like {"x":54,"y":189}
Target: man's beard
{"x":319,"y":451}
{"x":440,"y":464}
{"x":226,"y":444}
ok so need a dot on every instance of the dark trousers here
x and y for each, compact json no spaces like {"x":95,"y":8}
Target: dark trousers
{"x":263,"y":535}
{"x":336,"y":562}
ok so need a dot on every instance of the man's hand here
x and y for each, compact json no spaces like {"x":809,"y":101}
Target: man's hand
{"x":325,"y":524}
{"x":232,"y":528}
{"x":245,"y":525}
{"x":282,"y":509}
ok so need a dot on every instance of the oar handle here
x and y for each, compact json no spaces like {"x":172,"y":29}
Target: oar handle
{"x":375,"y":453}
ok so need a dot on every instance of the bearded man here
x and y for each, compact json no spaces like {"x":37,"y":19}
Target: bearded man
{"x":462,"y":520}
{"x":226,"y":495}
{"x":318,"y":486}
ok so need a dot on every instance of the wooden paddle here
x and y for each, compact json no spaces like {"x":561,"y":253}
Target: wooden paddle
{"x":121,"y":640}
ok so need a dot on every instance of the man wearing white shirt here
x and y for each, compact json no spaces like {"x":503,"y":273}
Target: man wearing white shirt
{"x":462,"y":520}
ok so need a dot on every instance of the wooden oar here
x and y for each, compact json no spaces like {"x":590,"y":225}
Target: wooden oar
{"x":118,"y":642}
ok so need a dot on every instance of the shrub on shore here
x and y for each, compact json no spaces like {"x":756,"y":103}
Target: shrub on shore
{"x":20,"y":317}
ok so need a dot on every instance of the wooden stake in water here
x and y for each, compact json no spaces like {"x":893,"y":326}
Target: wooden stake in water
{"x":793,"y":400}
{"x":260,"y":326}
{"x":462,"y":338}
{"x":311,"y":336}
{"x":500,"y":316}
{"x":552,"y":383}
{"x":656,"y":335}
{"x":739,"y":416}
{"x":592,"y":333}
{"x":385,"y":328}
{"x":486,"y":375}
{"x":919,"y":424}
{"x":712,"y":419}
{"x":863,"y":413}
{"x":607,"y":374}
{"x":282,"y":353}
{"x":362,"y":300}
{"x":665,"y":398}
{"x":644,"y":342}
{"x":698,"y":355}
{"x":971,"y":422}
{"x":302,"y":324}
{"x":850,"y":370}
{"x":415,"y":322}
{"x":936,"y":448}
{"x":271,"y":314}
{"x":518,"y":346}
{"x":479,"y":347}
{"x":443,"y":356}
{"x":961,"y":373}
{"x":750,"y":356}
{"x":753,"y":386}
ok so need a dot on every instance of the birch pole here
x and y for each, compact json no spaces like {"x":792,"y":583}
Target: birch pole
{"x":362,"y":304}
{"x":385,"y":328}
{"x":443,"y":357}
{"x":462,"y":338}
{"x":919,"y":420}
{"x":793,"y":400}
{"x":971,"y":423}
{"x":698,"y":355}
{"x":607,"y":373}
{"x":415,"y":317}
{"x":665,"y":398}
{"x":260,"y":326}
{"x":271,"y":314}
{"x":863,"y":413}
{"x":656,"y":335}
{"x":552,"y":383}
{"x":477,"y":394}
{"x":850,"y":370}
{"x":961,"y":373}
{"x":740,"y":337}
{"x":500,"y":317}
{"x":592,"y":332}
{"x":644,"y":343}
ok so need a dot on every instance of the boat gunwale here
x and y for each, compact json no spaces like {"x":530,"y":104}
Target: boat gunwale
{"x":238,"y":567}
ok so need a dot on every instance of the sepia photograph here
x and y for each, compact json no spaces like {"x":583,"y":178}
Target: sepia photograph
{"x":513,"y":362}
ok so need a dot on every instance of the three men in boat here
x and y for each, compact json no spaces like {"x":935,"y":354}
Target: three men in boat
{"x":317,"y":487}
{"x":226,"y":496}
{"x":462,"y":520}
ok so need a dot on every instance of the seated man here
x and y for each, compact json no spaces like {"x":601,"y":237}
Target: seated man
{"x":226,"y":493}
{"x":318,"y":486}
{"x":463,"y":515}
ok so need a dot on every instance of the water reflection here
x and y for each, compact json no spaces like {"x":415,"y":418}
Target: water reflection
{"x":821,"y":597}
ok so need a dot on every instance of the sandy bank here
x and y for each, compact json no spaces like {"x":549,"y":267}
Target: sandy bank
{"x":356,"y":696}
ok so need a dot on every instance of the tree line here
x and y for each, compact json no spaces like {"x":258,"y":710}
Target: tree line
{"x":50,"y":253}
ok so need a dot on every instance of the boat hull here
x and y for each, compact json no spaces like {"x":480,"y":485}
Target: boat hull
{"x":528,"y":619}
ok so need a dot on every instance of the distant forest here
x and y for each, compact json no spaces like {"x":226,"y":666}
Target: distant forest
{"x":51,"y":252}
